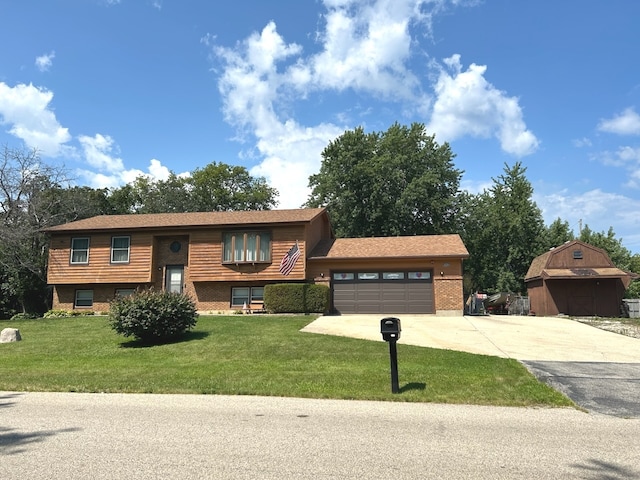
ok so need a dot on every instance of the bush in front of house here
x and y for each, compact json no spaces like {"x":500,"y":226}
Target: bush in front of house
{"x":151,"y":316}
{"x":296,"y":298}
{"x":24,"y":316}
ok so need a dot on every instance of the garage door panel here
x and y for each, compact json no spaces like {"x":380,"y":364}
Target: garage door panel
{"x":376,"y":296}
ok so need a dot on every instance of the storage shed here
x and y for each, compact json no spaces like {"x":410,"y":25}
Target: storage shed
{"x":576,"y":279}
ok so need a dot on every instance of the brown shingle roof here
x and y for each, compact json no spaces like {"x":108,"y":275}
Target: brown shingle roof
{"x":606,"y":272}
{"x":384,"y":247}
{"x":537,"y":265}
{"x":193,"y":219}
{"x":540,"y":265}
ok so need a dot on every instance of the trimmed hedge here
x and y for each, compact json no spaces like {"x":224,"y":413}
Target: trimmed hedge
{"x":152,"y":316}
{"x":296,"y":298}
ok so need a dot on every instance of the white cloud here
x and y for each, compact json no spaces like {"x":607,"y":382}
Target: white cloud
{"x":598,"y":209}
{"x":100,"y":153}
{"x":291,"y":155}
{"x":251,"y":86}
{"x":582,"y":142}
{"x":45,"y":61}
{"x":625,"y":123}
{"x":625,"y":157}
{"x":466,"y":104}
{"x":475,"y":187}
{"x":365,"y":47}
{"x":27,"y":110}
{"x":157,"y":170}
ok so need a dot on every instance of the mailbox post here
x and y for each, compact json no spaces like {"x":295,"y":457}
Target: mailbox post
{"x":390,"y":330}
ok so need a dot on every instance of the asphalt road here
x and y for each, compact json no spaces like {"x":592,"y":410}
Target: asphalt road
{"x":118,"y":436}
{"x":605,"y":388}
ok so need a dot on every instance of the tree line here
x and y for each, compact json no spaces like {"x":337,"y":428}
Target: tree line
{"x":395,"y":182}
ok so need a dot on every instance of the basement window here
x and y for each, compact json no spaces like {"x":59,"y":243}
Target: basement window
{"x":84,"y":299}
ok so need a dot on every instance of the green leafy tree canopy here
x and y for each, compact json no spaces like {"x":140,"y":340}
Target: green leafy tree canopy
{"x":398,"y":182}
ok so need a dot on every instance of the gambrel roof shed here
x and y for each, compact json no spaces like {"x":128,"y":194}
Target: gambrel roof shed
{"x":576,"y":279}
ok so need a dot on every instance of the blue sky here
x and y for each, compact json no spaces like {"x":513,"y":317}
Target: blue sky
{"x":113,"y":89}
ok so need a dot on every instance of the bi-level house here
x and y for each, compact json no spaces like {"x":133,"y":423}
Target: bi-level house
{"x":223,"y":260}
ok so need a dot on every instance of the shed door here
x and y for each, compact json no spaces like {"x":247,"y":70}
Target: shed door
{"x":383,"y":292}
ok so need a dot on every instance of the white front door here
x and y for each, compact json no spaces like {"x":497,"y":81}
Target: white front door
{"x":174,"y":278}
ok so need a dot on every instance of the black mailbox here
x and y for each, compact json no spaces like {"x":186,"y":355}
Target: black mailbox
{"x":390,"y":329}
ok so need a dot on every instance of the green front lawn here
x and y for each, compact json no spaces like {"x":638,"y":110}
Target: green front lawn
{"x":255,"y":355}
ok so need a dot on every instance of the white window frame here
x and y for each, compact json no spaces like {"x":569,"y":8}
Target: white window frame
{"x":246,"y":247}
{"x":115,"y":249}
{"x":254,"y":295}
{"x":87,"y":302}
{"x":75,"y":250}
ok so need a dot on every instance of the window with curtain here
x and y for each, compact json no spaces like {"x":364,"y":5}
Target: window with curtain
{"x":120,"y":249}
{"x":247,"y":247}
{"x":79,"y":250}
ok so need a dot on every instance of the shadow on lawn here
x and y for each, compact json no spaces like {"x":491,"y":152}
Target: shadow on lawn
{"x":413,"y":386}
{"x":186,"y":337}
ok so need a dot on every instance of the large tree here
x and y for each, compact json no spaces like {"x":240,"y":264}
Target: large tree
{"x":29,"y":202}
{"x":398,"y":182}
{"x":558,"y":233}
{"x":618,"y":253}
{"x":504,"y":231}
{"x":216,"y":187}
{"x":222,"y":187}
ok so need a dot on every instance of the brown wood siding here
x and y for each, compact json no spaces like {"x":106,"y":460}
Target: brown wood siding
{"x":318,"y":229}
{"x":536,"y":292}
{"x":599,"y":297}
{"x":205,"y":258}
{"x":591,"y":258}
{"x":100,"y":269}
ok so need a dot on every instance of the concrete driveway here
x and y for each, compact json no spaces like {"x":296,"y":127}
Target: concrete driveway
{"x":598,"y":370}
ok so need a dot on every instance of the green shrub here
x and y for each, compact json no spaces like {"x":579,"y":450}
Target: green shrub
{"x":152,"y":316}
{"x":24,"y":316}
{"x":296,"y":298}
{"x":57,"y":314}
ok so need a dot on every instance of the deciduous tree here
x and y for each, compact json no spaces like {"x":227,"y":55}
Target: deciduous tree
{"x":398,"y":182}
{"x":504,"y":231}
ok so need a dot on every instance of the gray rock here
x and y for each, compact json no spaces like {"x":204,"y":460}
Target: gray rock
{"x":10,"y":335}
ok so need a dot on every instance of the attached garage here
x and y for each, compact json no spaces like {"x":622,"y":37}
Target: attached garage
{"x":382,"y":292}
{"x":419,"y":274}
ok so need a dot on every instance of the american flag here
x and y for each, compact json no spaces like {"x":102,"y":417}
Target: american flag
{"x":289,"y":260}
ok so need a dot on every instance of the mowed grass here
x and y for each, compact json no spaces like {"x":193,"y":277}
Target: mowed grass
{"x":256,"y":355}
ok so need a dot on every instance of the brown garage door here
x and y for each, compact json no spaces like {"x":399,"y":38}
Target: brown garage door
{"x":383,"y":292}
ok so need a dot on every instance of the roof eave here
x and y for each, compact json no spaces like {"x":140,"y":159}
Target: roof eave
{"x":395,"y":257}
